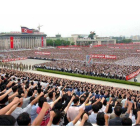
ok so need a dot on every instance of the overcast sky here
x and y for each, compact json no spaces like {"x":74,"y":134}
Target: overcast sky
{"x":105,"y":17}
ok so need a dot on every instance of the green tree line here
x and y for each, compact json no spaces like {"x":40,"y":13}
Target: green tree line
{"x":58,"y":42}
{"x":124,"y":41}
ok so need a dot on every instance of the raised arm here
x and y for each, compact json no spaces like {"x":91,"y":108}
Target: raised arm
{"x":13,"y":95}
{"x":98,"y":100}
{"x":107,"y":107}
{"x":37,"y":98}
{"x":67,"y":107}
{"x":52,"y":115}
{"x":5,"y":109}
{"x":81,"y":111}
{"x":41,"y":115}
{"x":55,"y":101}
{"x":129,"y":107}
{"x":11,"y":109}
{"x":106,"y":117}
{"x":85,"y":117}
{"x":4,"y":95}
{"x":86,"y":101}
{"x":138,"y":118}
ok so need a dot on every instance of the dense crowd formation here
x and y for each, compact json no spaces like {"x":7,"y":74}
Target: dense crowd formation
{"x":74,"y":61}
{"x":31,"y":99}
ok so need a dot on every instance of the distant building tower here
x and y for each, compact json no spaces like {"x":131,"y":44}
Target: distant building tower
{"x":58,"y":36}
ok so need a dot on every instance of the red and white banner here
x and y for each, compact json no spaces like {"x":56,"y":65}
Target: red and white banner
{"x":14,"y":59}
{"x":138,"y":50}
{"x":104,"y":56}
{"x":132,"y":75}
{"x":42,"y":53}
{"x":70,"y":48}
{"x":121,"y":47}
{"x":26,"y":30}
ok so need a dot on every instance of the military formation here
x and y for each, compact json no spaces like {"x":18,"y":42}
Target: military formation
{"x":16,"y":66}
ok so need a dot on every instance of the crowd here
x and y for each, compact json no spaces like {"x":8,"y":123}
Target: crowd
{"x":74,"y":60}
{"x":101,"y":70}
{"x":28,"y":99}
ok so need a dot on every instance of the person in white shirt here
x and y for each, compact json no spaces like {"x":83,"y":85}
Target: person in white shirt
{"x":74,"y":110}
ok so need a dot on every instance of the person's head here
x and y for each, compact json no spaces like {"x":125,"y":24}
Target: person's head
{"x":120,"y":97}
{"x":57,"y":118}
{"x":82,"y":100}
{"x":39,"y":90}
{"x":118,"y":110}
{"x":21,"y":100}
{"x":14,"y":88}
{"x":41,"y":101}
{"x":105,"y":102}
{"x":7,"y":120}
{"x":24,"y":119}
{"x":50,"y":95}
{"x":4,"y":100}
{"x":109,"y":109}
{"x":126,"y":122}
{"x":95,"y":108}
{"x":58,"y":106}
{"x":124,"y":97}
{"x":100,"y":104}
{"x":31,"y":99}
{"x":32,"y":83}
{"x":76,"y":100}
{"x":30,"y":92}
{"x":100,"y":120}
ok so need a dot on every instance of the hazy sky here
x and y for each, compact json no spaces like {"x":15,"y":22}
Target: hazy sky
{"x":105,"y":17}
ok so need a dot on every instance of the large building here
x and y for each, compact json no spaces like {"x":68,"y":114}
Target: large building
{"x":26,"y":39}
{"x":84,"y":40}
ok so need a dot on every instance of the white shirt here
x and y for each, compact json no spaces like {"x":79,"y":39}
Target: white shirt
{"x":92,"y":118}
{"x":123,"y":102}
{"x":73,"y":111}
{"x":20,"y":110}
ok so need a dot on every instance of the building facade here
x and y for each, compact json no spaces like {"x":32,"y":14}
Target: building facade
{"x":58,"y":36}
{"x":80,"y":39}
{"x":22,"y":40}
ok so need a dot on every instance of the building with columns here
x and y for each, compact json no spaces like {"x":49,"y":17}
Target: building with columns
{"x":26,"y":39}
{"x":82,"y":39}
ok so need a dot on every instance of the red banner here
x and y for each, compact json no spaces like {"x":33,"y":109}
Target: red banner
{"x":132,"y":75}
{"x":12,"y":42}
{"x":14,"y":59}
{"x":138,"y":50}
{"x":104,"y":56}
{"x":42,"y":41}
{"x":42,"y":53}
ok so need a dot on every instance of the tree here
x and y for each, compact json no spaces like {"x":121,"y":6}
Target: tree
{"x":49,"y":42}
{"x":73,"y":43}
{"x":91,"y":35}
{"x":124,"y":41}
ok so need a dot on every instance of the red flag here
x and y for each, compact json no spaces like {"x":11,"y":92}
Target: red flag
{"x":25,"y":30}
{"x":11,"y":42}
{"x":42,"y":41}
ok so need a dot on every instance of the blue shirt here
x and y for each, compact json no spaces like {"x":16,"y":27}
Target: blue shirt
{"x":33,"y":113}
